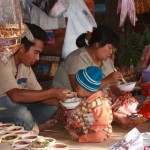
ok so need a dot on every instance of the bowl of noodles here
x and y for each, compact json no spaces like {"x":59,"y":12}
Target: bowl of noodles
{"x":127,"y":87}
{"x":71,"y":103}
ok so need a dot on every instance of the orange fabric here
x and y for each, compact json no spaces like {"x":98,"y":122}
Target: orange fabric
{"x":93,"y":97}
{"x":100,"y":128}
{"x":102,"y":116}
{"x":99,"y":136}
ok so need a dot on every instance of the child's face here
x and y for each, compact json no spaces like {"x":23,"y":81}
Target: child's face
{"x":82,"y":93}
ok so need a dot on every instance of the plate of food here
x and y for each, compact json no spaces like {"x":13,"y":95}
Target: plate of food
{"x":40,"y":144}
{"x":50,"y":140}
{"x":59,"y":146}
{"x":30,"y":137}
{"x":15,"y":128}
{"x":9,"y":138}
{"x":71,"y":103}
{"x":22,"y":133}
{"x":6,"y":125}
{"x":20,"y":143}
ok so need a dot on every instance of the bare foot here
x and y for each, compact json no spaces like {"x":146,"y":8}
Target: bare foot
{"x":74,"y":136}
{"x":47,"y":124}
{"x":35,"y":129}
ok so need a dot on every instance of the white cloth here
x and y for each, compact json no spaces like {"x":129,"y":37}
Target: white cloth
{"x":40,"y":18}
{"x":80,"y":20}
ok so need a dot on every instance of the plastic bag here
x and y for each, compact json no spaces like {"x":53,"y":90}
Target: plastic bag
{"x":80,"y":20}
{"x":58,"y":9}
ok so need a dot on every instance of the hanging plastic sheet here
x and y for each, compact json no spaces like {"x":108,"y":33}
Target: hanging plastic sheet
{"x":44,"y":5}
{"x":25,"y":7}
{"x":80,"y":20}
{"x":126,"y":8}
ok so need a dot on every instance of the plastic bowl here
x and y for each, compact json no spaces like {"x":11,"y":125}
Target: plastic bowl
{"x":6,"y":125}
{"x":22,"y":148}
{"x":146,"y":138}
{"x":39,"y":144}
{"x":59,"y":146}
{"x":127,"y":87}
{"x":22,"y":133}
{"x":71,"y":103}
{"x":30,"y":137}
{"x":138,"y":118}
{"x":9,"y":138}
{"x":21,"y":143}
{"x":4,"y":132}
{"x":15,"y":128}
{"x":50,"y":140}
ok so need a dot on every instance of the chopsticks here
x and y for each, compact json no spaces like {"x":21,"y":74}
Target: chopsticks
{"x":122,"y":77}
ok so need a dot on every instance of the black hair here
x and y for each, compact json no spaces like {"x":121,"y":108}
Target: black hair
{"x":104,"y":35}
{"x":37,"y":32}
{"x":80,"y":41}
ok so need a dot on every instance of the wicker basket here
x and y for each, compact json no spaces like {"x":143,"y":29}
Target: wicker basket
{"x":139,"y":119}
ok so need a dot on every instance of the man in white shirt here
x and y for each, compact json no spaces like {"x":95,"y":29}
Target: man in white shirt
{"x":20,"y":92}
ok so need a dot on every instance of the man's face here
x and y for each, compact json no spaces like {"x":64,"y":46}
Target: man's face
{"x":32,"y":56}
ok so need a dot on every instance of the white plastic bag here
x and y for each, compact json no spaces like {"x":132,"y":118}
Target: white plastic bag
{"x":58,"y":9}
{"x":80,"y":20}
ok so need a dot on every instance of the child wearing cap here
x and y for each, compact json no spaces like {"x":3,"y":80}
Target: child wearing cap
{"x":91,"y":120}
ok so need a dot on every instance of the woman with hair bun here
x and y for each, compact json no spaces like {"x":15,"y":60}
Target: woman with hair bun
{"x":95,"y":49}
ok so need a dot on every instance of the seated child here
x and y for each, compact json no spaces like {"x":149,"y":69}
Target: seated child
{"x":91,"y":120}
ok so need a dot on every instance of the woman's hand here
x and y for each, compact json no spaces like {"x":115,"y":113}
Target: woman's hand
{"x":115,"y":90}
{"x":114,"y":77}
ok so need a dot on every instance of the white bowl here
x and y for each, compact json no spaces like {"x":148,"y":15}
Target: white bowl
{"x":59,"y":146}
{"x":127,"y":87}
{"x":50,"y":140}
{"x":15,"y":128}
{"x":20,"y":143}
{"x":146,"y":138}
{"x":4,"y":132}
{"x":30,"y":137}
{"x":71,"y":103}
{"x":22,"y":148}
{"x":6,"y":125}
{"x":22,"y":133}
{"x":39,"y":145}
{"x":9,"y":138}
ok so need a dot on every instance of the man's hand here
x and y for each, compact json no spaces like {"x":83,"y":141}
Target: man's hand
{"x":62,"y":94}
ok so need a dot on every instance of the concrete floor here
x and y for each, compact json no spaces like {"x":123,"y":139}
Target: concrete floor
{"x":61,"y":136}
